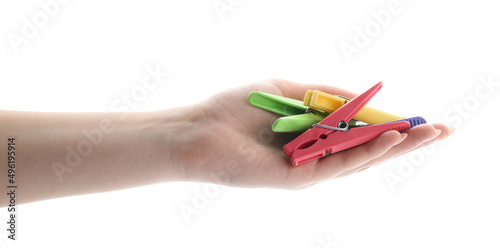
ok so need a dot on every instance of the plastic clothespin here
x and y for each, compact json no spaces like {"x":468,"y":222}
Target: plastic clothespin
{"x":329,"y":103}
{"x":414,"y":121}
{"x":277,"y":104}
{"x":333,"y":134}
{"x":298,"y":117}
{"x":296,"y":123}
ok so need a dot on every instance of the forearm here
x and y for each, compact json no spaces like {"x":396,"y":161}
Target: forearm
{"x":63,"y":154}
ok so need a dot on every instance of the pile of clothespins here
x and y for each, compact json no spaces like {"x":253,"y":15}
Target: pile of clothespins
{"x":330,"y":123}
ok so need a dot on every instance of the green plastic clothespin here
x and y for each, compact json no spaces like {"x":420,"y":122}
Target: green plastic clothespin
{"x":296,"y":123}
{"x":276,"y":104}
{"x":296,"y":119}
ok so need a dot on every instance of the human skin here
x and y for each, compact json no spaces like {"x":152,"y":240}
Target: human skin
{"x":223,"y":140}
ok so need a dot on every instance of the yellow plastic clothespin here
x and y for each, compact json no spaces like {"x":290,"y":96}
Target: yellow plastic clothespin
{"x":329,"y":103}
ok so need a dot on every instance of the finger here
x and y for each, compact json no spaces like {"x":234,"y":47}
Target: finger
{"x":416,"y":136}
{"x":297,"y":90}
{"x":445,"y":132}
{"x":340,"y":162}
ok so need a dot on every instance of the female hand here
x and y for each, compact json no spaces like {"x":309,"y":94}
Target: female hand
{"x":232,"y":143}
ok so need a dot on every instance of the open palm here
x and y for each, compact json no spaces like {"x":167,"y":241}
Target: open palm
{"x":235,"y":145}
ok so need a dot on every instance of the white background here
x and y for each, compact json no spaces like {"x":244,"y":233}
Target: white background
{"x":430,"y":55}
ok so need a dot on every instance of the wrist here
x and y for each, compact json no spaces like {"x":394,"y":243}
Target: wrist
{"x":174,"y":133}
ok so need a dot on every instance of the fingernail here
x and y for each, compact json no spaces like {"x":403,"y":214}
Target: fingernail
{"x":437,"y":132}
{"x":403,"y":137}
{"x":452,"y":130}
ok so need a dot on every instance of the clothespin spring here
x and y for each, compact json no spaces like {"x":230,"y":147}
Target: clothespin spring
{"x":314,"y":112}
{"x":341,"y":126}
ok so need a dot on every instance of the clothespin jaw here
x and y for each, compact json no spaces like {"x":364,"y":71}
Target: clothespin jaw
{"x":296,"y":123}
{"x":414,"y":121}
{"x":333,"y":134}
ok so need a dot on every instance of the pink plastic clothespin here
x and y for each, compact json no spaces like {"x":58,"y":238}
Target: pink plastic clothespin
{"x":333,"y":134}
